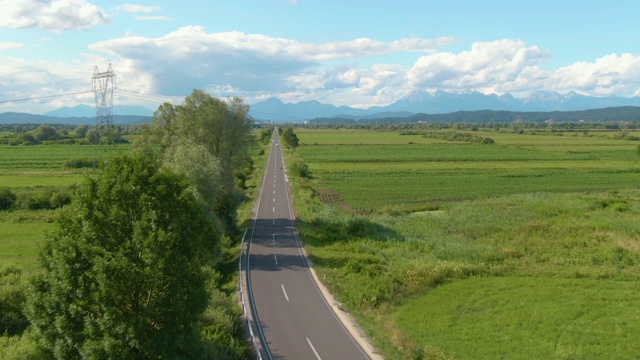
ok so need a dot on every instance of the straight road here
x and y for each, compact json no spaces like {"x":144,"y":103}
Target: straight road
{"x":295,"y":318}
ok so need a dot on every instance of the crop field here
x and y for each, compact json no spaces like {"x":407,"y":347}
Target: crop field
{"x":34,"y":169}
{"x":352,"y":164}
{"x":527,"y":248}
{"x":45,"y":157}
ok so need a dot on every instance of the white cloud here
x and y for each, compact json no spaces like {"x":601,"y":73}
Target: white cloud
{"x":53,"y":15}
{"x":353,"y":73}
{"x":487,"y":64}
{"x":135,"y":8}
{"x":22,"y":79}
{"x":10,"y":46}
{"x":609,"y":75}
{"x":190,"y":57}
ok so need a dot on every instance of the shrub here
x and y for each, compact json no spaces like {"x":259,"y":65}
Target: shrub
{"x":12,"y":299}
{"x":38,"y":202}
{"x":59,"y":199}
{"x":300,"y":169}
{"x":7,"y":199}
{"x":78,"y":163}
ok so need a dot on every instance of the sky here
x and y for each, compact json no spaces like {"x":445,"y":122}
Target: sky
{"x":358,"y":53}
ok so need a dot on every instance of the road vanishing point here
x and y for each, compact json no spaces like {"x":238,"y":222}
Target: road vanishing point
{"x":296,"y":320}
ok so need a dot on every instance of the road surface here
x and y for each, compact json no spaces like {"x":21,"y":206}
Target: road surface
{"x":296,"y":320}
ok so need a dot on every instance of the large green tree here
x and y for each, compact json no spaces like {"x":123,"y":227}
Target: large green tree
{"x":223,"y":129}
{"x":290,"y":138}
{"x":124,"y":270}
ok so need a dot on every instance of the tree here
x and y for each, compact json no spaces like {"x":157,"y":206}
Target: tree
{"x":45,"y":132}
{"x":81,"y":130}
{"x":124,"y":270}
{"x":7,"y":199}
{"x":92,"y":136}
{"x":223,"y":129}
{"x":290,"y":138}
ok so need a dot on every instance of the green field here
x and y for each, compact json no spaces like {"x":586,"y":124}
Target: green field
{"x":19,"y":243}
{"x":527,"y":248}
{"x":35,"y":169}
{"x":433,"y":171}
{"x":522,"y":318}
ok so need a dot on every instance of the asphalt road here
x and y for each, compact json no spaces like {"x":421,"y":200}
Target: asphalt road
{"x":296,"y":320}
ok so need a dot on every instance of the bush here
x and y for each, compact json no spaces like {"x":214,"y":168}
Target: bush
{"x":37,"y":201}
{"x":78,"y":163}
{"x":59,"y":199}
{"x":12,"y":299}
{"x":7,"y":199}
{"x":300,"y":169}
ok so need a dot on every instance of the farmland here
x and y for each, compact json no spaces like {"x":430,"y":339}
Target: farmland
{"x":525,"y":248}
{"x":34,"y":172}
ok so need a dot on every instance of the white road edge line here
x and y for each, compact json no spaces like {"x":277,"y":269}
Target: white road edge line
{"x":285,"y":292}
{"x":314,"y":349}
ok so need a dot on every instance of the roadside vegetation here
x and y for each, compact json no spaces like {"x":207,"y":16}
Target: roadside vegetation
{"x":114,"y":276}
{"x":525,"y":248}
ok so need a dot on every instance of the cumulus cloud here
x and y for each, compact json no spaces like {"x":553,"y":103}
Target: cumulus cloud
{"x":22,"y":79}
{"x":53,"y":15}
{"x":487,"y":64}
{"x":191,"y":57}
{"x":512,"y":66}
{"x":353,"y":73}
{"x":609,"y":75}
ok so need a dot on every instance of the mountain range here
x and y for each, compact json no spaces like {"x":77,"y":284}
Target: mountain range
{"x":438,"y":102}
{"x":90,"y":111}
{"x":416,"y":102}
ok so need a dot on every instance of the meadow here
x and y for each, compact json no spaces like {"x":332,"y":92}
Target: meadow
{"x":29,"y":172}
{"x":527,"y":248}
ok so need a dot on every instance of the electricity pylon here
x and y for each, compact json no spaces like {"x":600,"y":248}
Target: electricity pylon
{"x":103,"y":85}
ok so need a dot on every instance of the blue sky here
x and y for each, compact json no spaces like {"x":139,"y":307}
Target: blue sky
{"x":356,"y":53}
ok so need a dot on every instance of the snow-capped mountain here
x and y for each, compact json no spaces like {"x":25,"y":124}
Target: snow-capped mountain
{"x":439,"y":102}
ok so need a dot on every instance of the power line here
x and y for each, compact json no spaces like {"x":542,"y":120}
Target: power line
{"x":45,"y":97}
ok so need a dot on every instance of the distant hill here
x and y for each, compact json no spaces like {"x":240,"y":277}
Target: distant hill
{"x":438,"y":102}
{"x":89,"y":111}
{"x":623,"y":113}
{"x":23,"y":118}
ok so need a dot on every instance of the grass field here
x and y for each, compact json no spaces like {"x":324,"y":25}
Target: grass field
{"x":19,"y":243}
{"x":29,"y":168}
{"x":433,"y":171}
{"x":521,"y":249}
{"x":522,"y":318}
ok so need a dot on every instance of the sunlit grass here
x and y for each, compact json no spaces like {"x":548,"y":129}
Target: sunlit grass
{"x":493,"y":236}
{"x":527,"y":318}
